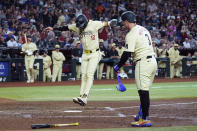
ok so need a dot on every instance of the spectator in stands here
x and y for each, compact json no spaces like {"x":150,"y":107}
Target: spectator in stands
{"x":50,"y":39}
{"x":12,"y":43}
{"x":2,"y":42}
{"x":175,"y":61}
{"x":186,"y":43}
{"x":67,"y":43}
{"x":192,"y":41}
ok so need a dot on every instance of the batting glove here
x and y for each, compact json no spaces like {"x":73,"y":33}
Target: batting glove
{"x":116,"y":68}
{"x":113,"y":22}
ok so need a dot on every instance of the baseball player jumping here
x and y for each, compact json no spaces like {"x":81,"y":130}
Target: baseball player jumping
{"x":139,"y":46}
{"x":88,"y":33}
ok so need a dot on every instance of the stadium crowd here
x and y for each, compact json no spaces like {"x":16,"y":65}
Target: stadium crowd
{"x":169,"y":22}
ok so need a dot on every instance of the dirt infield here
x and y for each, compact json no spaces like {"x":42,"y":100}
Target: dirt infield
{"x":20,"y":115}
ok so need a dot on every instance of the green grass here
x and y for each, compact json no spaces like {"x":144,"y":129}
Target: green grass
{"x":176,"y":128}
{"x":103,"y":92}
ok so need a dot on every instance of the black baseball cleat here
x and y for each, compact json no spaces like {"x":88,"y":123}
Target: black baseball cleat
{"x":82,"y":101}
{"x":75,"y":100}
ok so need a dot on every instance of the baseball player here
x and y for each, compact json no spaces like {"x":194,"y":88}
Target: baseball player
{"x":88,"y":34}
{"x":175,"y":61}
{"x":46,"y":66}
{"x":36,"y":65}
{"x":139,"y":46}
{"x":58,"y":59}
{"x":28,"y":49}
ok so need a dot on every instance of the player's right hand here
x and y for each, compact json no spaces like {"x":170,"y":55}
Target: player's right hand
{"x":49,"y":28}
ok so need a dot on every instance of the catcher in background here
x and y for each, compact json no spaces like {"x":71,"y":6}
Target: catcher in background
{"x":28,"y":49}
{"x":139,"y":46}
{"x":88,"y":33}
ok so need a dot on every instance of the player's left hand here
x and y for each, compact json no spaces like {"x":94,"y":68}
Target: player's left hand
{"x":116,"y":68}
{"x":113,"y":22}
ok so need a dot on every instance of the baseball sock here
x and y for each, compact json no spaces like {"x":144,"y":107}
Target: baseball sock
{"x":145,"y":103}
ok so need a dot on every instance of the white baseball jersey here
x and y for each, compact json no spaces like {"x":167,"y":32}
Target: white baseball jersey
{"x":89,"y":36}
{"x":138,"y":41}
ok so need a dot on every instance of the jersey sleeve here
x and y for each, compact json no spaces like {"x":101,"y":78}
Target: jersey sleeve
{"x":130,"y":42}
{"x":73,"y":28}
{"x":98,"y":24}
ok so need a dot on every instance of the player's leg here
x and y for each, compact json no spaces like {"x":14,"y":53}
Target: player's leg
{"x":55,"y":72}
{"x":44,"y":75}
{"x":122,"y":70}
{"x":60,"y":73}
{"x":84,"y":68}
{"x":171,"y":71}
{"x":78,"y":70}
{"x":27,"y":70}
{"x":145,"y":72}
{"x":31,"y":63}
{"x":48,"y":74}
{"x":112,"y":72}
{"x":101,"y":65}
{"x":92,"y":65}
{"x":108,"y":72}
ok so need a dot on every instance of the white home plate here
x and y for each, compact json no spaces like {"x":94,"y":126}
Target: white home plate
{"x":73,"y":111}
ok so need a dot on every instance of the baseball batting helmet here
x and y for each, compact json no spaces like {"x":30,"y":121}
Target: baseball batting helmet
{"x":129,"y":16}
{"x":81,"y":21}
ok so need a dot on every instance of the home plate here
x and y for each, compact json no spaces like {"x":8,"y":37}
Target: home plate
{"x":73,"y":111}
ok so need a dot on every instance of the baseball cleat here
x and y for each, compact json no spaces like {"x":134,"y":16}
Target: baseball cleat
{"x":83,"y":101}
{"x":142,"y":123}
{"x":75,"y":100}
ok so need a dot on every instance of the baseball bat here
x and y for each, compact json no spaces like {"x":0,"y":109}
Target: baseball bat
{"x":25,"y":38}
{"x":38,"y":126}
{"x":120,"y":86}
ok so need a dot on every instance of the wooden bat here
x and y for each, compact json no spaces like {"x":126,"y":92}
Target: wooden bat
{"x":25,"y":38}
{"x":38,"y":126}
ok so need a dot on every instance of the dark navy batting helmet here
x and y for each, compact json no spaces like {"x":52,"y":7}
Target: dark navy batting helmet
{"x":81,"y":21}
{"x":129,"y":16}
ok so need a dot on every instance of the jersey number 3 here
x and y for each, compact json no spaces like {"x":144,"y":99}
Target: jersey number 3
{"x":148,"y":39}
